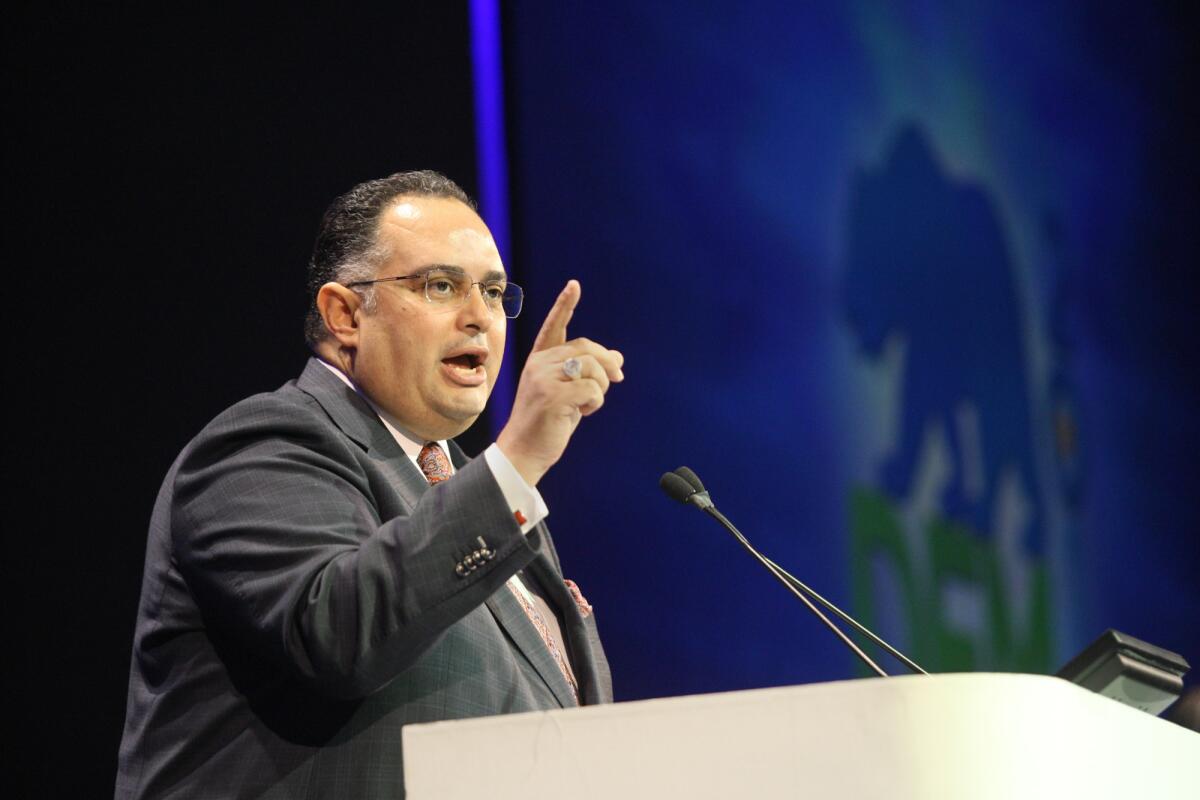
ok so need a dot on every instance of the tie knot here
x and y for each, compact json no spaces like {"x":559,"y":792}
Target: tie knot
{"x":433,"y":462}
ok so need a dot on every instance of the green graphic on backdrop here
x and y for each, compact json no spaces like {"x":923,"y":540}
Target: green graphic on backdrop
{"x":948,"y":558}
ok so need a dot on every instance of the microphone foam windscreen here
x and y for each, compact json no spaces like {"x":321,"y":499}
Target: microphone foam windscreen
{"x":676,"y":487}
{"x":691,"y":478}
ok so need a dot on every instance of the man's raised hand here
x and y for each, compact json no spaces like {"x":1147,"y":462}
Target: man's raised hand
{"x":550,"y":403}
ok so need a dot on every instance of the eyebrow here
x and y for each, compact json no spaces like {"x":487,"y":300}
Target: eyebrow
{"x":492,"y":275}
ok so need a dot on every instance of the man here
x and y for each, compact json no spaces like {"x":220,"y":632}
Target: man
{"x":318,"y":574}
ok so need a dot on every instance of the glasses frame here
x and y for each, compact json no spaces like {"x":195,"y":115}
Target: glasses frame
{"x":439,"y":273}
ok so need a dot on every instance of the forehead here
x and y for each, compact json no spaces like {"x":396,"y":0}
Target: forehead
{"x":429,"y":230}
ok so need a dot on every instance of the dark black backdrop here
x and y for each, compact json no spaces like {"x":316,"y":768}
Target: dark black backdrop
{"x":163,"y":178}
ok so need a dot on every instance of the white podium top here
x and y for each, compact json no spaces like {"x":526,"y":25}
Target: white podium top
{"x":939,"y":736}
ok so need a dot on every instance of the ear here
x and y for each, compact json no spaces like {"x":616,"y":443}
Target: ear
{"x":339,"y":307}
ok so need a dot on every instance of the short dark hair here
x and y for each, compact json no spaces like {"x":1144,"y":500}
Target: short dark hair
{"x":347,"y":248}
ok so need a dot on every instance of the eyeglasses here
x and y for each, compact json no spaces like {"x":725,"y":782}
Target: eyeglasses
{"x":446,"y":290}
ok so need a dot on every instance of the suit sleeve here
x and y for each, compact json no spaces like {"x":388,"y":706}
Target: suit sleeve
{"x":276,"y":531}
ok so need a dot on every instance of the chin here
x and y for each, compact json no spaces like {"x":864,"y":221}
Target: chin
{"x":460,"y":410}
{"x":458,"y":420}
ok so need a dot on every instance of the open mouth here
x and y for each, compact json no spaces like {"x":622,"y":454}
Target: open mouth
{"x":468,"y":361}
{"x":466,"y":368}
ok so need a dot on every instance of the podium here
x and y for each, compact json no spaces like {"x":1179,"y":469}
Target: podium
{"x":936,"y":736}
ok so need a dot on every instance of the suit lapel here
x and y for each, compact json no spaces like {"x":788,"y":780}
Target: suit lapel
{"x":359,"y":421}
{"x":407,"y":479}
{"x":516,"y":624}
{"x":574,"y":626}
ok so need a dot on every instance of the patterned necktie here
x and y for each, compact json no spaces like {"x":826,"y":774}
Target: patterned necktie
{"x":433,"y":462}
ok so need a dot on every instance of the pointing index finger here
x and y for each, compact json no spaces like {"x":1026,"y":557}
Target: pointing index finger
{"x":554,"y":329}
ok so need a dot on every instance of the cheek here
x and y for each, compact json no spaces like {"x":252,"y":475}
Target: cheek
{"x":496,"y":345}
{"x":497,"y":335}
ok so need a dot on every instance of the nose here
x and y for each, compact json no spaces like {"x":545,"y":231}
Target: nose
{"x":474,"y":312}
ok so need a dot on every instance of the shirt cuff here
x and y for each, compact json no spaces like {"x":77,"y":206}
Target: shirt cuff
{"x":526,"y":502}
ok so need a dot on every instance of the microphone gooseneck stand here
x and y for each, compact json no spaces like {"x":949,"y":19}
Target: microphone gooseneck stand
{"x":685,"y":486}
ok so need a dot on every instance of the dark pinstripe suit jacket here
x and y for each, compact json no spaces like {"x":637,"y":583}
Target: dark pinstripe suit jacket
{"x":300,"y":604}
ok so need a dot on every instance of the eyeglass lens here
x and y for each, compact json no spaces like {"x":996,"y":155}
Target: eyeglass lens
{"x":451,"y":289}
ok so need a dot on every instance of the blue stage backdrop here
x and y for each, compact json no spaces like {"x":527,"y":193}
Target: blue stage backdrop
{"x":904,"y":284}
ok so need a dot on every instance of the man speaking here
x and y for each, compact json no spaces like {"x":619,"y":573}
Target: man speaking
{"x":325,"y":566}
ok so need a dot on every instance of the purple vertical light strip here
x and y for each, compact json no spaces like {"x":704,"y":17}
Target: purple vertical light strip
{"x":491,"y":155}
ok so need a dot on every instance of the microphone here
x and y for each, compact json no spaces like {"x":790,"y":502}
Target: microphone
{"x":686,"y":487}
{"x":692,"y":478}
{"x":685,"y":491}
